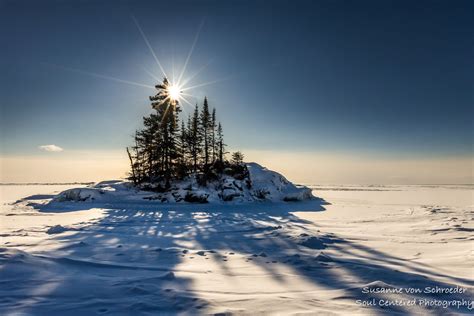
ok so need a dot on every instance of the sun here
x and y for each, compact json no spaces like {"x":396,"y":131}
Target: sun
{"x":174,"y":92}
{"x":176,"y":89}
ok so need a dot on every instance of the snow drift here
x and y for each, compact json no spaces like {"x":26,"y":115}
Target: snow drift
{"x":260,"y":184}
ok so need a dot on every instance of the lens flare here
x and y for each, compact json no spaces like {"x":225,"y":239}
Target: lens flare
{"x":176,"y":88}
{"x":174,"y":92}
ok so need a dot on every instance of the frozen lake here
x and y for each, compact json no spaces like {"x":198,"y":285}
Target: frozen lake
{"x":364,"y":250}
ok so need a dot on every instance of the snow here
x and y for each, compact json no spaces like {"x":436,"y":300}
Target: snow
{"x":120,"y":254}
{"x":79,"y":195}
{"x":261,"y":185}
{"x":274,"y":186}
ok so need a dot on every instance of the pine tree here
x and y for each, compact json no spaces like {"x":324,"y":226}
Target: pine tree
{"x":195,"y":139}
{"x":165,"y":150}
{"x":213,"y":127}
{"x":205,"y":123}
{"x":137,"y":162}
{"x":237,"y":158}
{"x":147,"y":145}
{"x":220,"y":144}
{"x":182,"y":152}
{"x":167,"y":110}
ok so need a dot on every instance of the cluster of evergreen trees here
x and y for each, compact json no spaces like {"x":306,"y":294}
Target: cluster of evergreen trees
{"x":167,"y":149}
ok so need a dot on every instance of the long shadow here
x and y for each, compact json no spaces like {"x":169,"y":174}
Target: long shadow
{"x":139,"y":259}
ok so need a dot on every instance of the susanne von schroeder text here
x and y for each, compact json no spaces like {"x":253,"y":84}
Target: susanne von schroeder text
{"x":409,"y":290}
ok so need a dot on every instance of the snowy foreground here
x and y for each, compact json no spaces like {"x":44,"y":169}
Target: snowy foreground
{"x":361,"y":250}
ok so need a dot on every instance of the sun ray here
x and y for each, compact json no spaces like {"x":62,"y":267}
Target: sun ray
{"x":186,"y":94}
{"x":149,"y":46}
{"x":174,"y":92}
{"x":205,"y":84}
{"x":151,"y":74}
{"x":187,"y":102}
{"x":93,"y":74}
{"x":196,"y":37}
{"x":172,"y":69}
{"x":176,"y":87}
{"x":187,"y":80}
{"x":166,"y":111}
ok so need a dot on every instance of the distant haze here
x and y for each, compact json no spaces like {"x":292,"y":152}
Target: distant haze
{"x":309,"y":168}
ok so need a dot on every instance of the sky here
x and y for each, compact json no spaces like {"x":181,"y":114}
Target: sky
{"x":323,"y":91}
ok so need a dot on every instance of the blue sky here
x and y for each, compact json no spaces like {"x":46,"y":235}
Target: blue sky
{"x":386,"y":78}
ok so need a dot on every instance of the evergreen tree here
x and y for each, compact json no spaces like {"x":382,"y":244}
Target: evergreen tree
{"x":135,"y":172}
{"x":167,"y":111}
{"x":165,"y":150}
{"x":204,"y":129}
{"x":213,"y":127}
{"x":183,"y":152}
{"x":237,"y":158}
{"x":147,"y":146}
{"x":220,"y":144}
{"x":195,"y":139}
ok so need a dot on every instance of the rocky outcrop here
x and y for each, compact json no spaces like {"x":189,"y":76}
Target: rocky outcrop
{"x":259,"y":184}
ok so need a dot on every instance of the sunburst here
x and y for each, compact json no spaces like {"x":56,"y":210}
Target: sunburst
{"x":177,"y":87}
{"x":174,"y":93}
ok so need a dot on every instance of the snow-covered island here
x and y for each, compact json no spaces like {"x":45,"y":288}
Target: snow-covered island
{"x":258,"y":184}
{"x":193,"y":231}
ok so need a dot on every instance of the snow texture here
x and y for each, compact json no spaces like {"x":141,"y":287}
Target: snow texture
{"x":260,"y":185}
{"x":109,"y":251}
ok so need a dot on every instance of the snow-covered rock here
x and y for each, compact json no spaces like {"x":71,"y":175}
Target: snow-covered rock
{"x":260,"y":184}
{"x":198,"y":196}
{"x":56,"y":229}
{"x":270,"y":185}
{"x":79,"y":195}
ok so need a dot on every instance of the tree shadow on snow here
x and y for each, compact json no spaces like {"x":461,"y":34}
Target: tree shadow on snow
{"x":139,"y":259}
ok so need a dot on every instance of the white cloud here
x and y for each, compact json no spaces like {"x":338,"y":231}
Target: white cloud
{"x":51,"y":148}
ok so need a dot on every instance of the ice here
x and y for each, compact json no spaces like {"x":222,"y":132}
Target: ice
{"x":122,"y":254}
